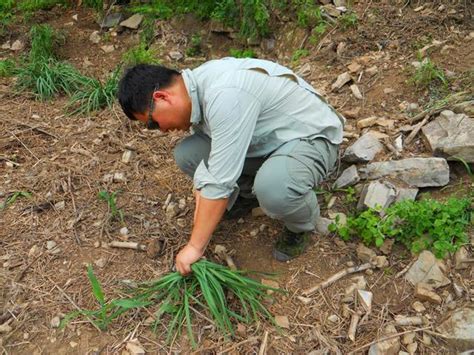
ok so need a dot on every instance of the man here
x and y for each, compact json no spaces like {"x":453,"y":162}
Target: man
{"x":258,"y":131}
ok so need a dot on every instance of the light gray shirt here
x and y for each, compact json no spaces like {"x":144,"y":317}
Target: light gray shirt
{"x":249,"y":108}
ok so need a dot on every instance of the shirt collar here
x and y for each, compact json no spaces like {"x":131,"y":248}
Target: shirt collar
{"x":191,"y":87}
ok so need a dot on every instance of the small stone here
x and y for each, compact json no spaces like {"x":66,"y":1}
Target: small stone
{"x":109,"y":48}
{"x":458,"y":290}
{"x":341,"y":48}
{"x":111,"y":20}
{"x":59,"y":205}
{"x":388,"y":91}
{"x":17,"y":45}
{"x":5,"y":328}
{"x":134,"y":347}
{"x":258,"y":212}
{"x":6,"y":45}
{"x":363,"y":150}
{"x":387,"y":245}
{"x":356,"y":92}
{"x":404,"y":321}
{"x":405,"y":193}
{"x":367,"y":122}
{"x":75,"y":17}
{"x":425,"y":293}
{"x":241,"y":330}
{"x":305,"y":300}
{"x":352,"y":113}
{"x":429,"y":270}
{"x":100,"y":262}
{"x":282,"y":321}
{"x":240,"y":221}
{"x":322,"y":225}
{"x":132,"y":22}
{"x":408,"y":338}
{"x":35,"y":116}
{"x":270,"y":283}
{"x":418,"y":307}
{"x":426,"y":339}
{"x":182,"y":204}
{"x":357,"y":283}
{"x":97,"y":244}
{"x":412,"y":107}
{"x":73,"y":344}
{"x":175,"y":55}
{"x":34,"y":250}
{"x":254,"y":232}
{"x":51,"y":244}
{"x":123,"y":231}
{"x":181,"y":222}
{"x":387,"y":347}
{"x":377,"y":195}
{"x":372,"y":71}
{"x":354,"y":67}
{"x":172,"y":210}
{"x":55,"y":322}
{"x":333,"y":318}
{"x":366,"y":255}
{"x":349,"y":177}
{"x":95,"y":37}
{"x":365,"y":299}
{"x":342,"y":79}
{"x":127,"y":156}
{"x":459,"y":258}
{"x":412,"y":347}
{"x":381,"y":261}
{"x":26,"y":336}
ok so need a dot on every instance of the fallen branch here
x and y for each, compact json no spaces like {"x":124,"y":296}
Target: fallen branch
{"x":127,"y":245}
{"x":417,"y":129}
{"x":353,"y":326}
{"x":263,"y":346}
{"x":337,"y":276}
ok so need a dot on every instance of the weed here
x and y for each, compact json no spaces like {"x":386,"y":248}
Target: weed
{"x":48,"y":78}
{"x":35,"y":5}
{"x":13,"y":197}
{"x":195,"y":46}
{"x":44,"y":39}
{"x":6,"y":15}
{"x":140,"y":54}
{"x":308,"y":14}
{"x":428,"y":75}
{"x":242,"y":53}
{"x":148,"y":30}
{"x":206,"y":288}
{"x":348,"y":20}
{"x":94,"y":95}
{"x":111,"y":199}
{"x":299,"y":53}
{"x":97,"y":5}
{"x":7,"y":68}
{"x":419,"y":225}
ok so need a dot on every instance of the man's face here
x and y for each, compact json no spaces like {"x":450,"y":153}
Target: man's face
{"x":171,"y":109}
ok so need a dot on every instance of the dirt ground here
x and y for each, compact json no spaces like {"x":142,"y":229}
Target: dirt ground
{"x":63,"y":162}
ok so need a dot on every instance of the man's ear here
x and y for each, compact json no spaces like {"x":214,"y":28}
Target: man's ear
{"x":160,"y":95}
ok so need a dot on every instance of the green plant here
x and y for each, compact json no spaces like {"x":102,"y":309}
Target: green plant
{"x":317,"y":33}
{"x":35,"y":5}
{"x":13,"y":197}
{"x":140,"y":54}
{"x":97,"y":5}
{"x":242,"y":53}
{"x":195,"y":46}
{"x":111,"y":199}
{"x":419,"y":225}
{"x":428,"y":74}
{"x":148,"y":30}
{"x":226,"y":295}
{"x":6,"y":15}
{"x":298,"y":54}
{"x":7,"y":68}
{"x":308,"y":14}
{"x":43,"y":41}
{"x":348,"y":20}
{"x":48,"y":78}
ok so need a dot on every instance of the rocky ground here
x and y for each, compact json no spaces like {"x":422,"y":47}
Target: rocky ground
{"x":342,"y":297}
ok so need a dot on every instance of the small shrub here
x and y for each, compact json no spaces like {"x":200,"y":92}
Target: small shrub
{"x":7,"y":68}
{"x":419,"y":225}
{"x":140,"y":54}
{"x":308,"y":14}
{"x":299,"y":53}
{"x":35,"y":5}
{"x":111,"y":199}
{"x":13,"y":197}
{"x":428,"y":74}
{"x":93,"y":96}
{"x":195,"y":46}
{"x":97,"y":5}
{"x":348,"y":20}
{"x":242,"y":53}
{"x":44,"y":39}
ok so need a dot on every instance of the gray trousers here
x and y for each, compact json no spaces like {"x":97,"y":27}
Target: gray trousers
{"x":283,"y":181}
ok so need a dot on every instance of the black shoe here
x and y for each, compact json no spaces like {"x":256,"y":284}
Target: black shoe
{"x":289,"y":245}
{"x":241,"y":208}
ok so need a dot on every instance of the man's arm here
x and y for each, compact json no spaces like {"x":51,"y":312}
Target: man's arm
{"x":206,"y":218}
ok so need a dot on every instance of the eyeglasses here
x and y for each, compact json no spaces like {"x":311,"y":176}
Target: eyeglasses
{"x":152,"y":124}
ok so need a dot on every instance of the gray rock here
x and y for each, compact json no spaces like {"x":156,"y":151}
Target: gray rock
{"x":349,"y":177}
{"x":132,"y":22}
{"x":356,"y":92}
{"x":366,"y":255}
{"x":338,"y":3}
{"x":363,"y":150}
{"x":175,"y":55}
{"x":17,"y":45}
{"x":331,"y":10}
{"x":322,"y":225}
{"x":419,"y":172}
{"x":413,"y":107}
{"x":342,"y":79}
{"x":406,"y":193}
{"x":429,"y":270}
{"x":450,"y":135}
{"x":459,"y":329}
{"x":94,"y":37}
{"x":109,"y":48}
{"x":111,"y":20}
{"x":387,"y":347}
{"x":172,"y":210}
{"x":466,"y":107}
{"x":377,"y":195}
{"x":55,"y":322}
{"x":50,"y":244}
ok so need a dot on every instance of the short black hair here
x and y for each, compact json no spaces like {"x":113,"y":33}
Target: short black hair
{"x":137,"y":85}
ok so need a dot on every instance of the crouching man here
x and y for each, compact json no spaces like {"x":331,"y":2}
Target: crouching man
{"x":260,"y":136}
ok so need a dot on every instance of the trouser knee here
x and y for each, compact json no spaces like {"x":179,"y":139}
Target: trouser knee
{"x":189,"y":153}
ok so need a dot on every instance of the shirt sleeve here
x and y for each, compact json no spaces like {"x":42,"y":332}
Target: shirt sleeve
{"x":232,"y":115}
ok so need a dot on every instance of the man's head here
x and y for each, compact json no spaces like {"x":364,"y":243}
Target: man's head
{"x":156,"y":93}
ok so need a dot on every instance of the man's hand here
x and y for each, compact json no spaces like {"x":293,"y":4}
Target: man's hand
{"x":187,"y":256}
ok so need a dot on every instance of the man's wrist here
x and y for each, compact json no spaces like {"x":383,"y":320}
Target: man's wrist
{"x":197,"y":248}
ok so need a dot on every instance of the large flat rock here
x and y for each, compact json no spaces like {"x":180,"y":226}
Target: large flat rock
{"x":428,"y":270}
{"x":363,"y":150}
{"x":419,"y":172}
{"x":450,"y":136}
{"x":458,"y":329}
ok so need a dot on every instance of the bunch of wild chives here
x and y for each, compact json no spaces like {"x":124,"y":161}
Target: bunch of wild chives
{"x":209,"y":289}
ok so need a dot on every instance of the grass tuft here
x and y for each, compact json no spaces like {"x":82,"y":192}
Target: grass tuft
{"x":140,"y":54}
{"x":7,"y":68}
{"x":428,"y":74}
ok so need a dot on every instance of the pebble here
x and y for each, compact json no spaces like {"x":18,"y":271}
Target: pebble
{"x":418,"y":307}
{"x":35,"y":116}
{"x":55,"y":322}
{"x":51,"y":244}
{"x":372,"y":70}
{"x":17,"y":45}
{"x":109,"y":48}
{"x":100,"y":262}
{"x":254,"y":232}
{"x":412,"y":347}
{"x":282,"y":321}
{"x":123,"y":231}
{"x":333,"y":318}
{"x":175,"y":55}
{"x":241,"y":221}
{"x":182,"y":204}
{"x":73,"y":344}
{"x":408,"y":338}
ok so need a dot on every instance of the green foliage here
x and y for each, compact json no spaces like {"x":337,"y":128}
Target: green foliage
{"x":428,"y":75}
{"x":140,"y":54}
{"x":97,"y":5}
{"x":48,"y":77}
{"x":308,"y":14}
{"x":13,"y":197}
{"x":299,"y":53}
{"x":195,"y":46}
{"x":7,"y":68}
{"x":348,"y":20}
{"x":94,"y":95}
{"x":227,"y":296}
{"x":242,"y":53}
{"x":419,"y":225}
{"x":111,"y":199}
{"x":148,"y":30}
{"x":43,"y":42}
{"x":6,"y":15}
{"x":35,"y":5}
